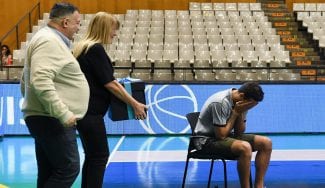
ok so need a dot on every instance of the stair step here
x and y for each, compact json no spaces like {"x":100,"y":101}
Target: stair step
{"x":273,"y":1}
{"x":304,"y":43}
{"x":284,"y":19}
{"x":294,"y":43}
{"x":311,"y":58}
{"x":305,"y":63}
{"x":320,"y":78}
{"x":285,"y":33}
{"x":300,"y":46}
{"x":284,"y":24}
{"x":301,"y":64}
{"x":293,"y":49}
{"x":308,"y":72}
{"x":293,"y":33}
{"x":295,"y":38}
{"x":300,"y":41}
{"x":288,"y":34}
{"x":303,"y":53}
{"x":290,"y":28}
{"x":310,"y":78}
{"x":270,"y":11}
{"x":279,"y":14}
{"x":283,"y":10}
{"x":274,"y":6}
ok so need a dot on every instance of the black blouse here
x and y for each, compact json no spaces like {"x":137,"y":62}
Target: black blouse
{"x":98,"y":69}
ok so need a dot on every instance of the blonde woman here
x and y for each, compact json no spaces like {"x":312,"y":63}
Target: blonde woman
{"x":98,"y":69}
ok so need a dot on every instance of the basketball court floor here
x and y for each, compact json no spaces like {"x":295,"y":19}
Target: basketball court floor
{"x":298,"y":161}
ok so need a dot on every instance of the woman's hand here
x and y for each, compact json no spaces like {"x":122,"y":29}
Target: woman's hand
{"x":140,"y":111}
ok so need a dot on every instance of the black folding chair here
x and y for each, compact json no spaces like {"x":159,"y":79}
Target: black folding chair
{"x":195,"y":154}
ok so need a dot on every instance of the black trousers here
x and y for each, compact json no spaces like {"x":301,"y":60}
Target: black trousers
{"x":56,"y":149}
{"x":92,"y":133}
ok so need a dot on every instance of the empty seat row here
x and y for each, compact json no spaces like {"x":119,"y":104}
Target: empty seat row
{"x":197,"y":47}
{"x":308,"y":6}
{"x":207,"y":28}
{"x":224,"y":6}
{"x":128,"y":42}
{"x":10,"y":73}
{"x":183,"y":58}
{"x":206,"y":75}
{"x":160,"y":25}
{"x":314,"y":22}
{"x":311,"y":16}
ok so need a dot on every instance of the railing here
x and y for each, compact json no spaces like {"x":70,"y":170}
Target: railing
{"x":17,"y":26}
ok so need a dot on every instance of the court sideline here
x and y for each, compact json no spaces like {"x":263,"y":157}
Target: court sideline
{"x":158,"y":161}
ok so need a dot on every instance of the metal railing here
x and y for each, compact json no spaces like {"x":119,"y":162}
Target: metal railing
{"x":18,"y":25}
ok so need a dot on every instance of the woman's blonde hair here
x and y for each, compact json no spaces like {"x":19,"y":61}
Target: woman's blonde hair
{"x":99,"y":30}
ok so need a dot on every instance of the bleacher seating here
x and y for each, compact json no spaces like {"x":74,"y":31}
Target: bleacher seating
{"x":312,"y":16}
{"x":200,"y":42}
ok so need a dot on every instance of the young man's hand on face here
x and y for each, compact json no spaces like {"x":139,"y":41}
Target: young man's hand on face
{"x":244,"y":105}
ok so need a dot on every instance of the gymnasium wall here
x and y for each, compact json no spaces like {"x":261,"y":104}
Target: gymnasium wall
{"x":11,"y":12}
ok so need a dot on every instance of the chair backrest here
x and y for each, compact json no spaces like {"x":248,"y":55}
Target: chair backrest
{"x":192,"y":119}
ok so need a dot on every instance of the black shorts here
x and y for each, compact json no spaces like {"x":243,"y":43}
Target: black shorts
{"x":223,"y":147}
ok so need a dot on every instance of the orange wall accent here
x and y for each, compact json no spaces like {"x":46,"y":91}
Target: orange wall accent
{"x":233,"y":1}
{"x":11,"y":12}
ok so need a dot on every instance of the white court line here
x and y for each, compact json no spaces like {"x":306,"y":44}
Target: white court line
{"x":180,"y":155}
{"x":114,"y":150}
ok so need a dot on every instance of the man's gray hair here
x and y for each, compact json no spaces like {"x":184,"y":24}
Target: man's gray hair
{"x":60,"y":10}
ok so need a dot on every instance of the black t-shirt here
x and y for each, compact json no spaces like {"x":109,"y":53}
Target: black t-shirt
{"x":98,"y":69}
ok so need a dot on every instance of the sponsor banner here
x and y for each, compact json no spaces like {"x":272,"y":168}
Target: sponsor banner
{"x":290,"y":108}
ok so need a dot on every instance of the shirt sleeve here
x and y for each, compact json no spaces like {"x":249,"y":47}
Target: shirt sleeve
{"x":100,"y":64}
{"x":219,"y":114}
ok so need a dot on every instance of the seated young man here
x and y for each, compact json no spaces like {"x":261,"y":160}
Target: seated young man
{"x":222,"y":124}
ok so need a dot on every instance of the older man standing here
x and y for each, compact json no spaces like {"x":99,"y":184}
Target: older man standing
{"x":56,"y":95}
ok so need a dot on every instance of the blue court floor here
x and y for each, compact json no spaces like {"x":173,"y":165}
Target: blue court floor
{"x":298,"y":161}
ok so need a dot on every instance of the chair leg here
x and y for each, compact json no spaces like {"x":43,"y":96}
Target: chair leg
{"x":185,"y":172}
{"x":225,"y":173}
{"x":210,"y":174}
{"x":250,"y":180}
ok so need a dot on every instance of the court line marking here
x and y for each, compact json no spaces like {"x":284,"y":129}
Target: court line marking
{"x":180,"y":155}
{"x":114,"y":150}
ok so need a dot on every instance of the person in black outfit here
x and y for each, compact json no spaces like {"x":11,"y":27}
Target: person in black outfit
{"x":98,"y":69}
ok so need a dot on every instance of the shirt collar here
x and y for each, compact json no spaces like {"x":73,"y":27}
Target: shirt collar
{"x":62,"y":36}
